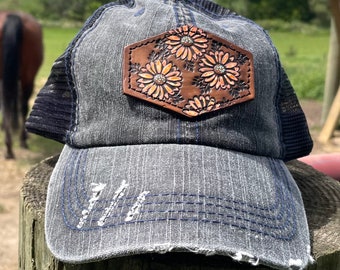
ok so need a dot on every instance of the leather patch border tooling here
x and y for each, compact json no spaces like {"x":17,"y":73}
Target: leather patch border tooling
{"x":188,"y":70}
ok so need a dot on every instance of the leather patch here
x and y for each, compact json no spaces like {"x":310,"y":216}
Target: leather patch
{"x":188,"y":70}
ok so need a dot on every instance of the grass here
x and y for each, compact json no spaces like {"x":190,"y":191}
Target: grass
{"x":304,"y":57}
{"x":56,"y":40}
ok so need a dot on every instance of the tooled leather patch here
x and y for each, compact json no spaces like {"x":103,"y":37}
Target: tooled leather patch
{"x":189,"y":71}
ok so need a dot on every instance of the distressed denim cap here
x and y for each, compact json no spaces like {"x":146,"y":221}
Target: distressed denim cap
{"x":177,"y":118}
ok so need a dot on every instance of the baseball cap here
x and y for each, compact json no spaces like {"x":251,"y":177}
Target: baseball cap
{"x":177,"y":118}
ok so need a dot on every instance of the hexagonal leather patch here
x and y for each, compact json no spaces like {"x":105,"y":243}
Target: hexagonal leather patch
{"x":188,"y":70}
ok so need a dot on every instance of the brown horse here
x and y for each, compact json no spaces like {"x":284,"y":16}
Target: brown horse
{"x":21,"y":54}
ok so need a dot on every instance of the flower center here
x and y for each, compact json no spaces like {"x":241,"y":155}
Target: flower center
{"x":219,"y":69}
{"x":187,"y":41}
{"x":159,"y":79}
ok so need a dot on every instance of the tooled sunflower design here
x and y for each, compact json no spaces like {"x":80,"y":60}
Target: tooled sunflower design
{"x":160,"y":79}
{"x":219,"y":69}
{"x":187,"y":42}
{"x":199,"y":105}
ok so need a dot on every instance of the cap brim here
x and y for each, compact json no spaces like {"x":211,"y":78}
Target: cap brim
{"x":115,"y":201}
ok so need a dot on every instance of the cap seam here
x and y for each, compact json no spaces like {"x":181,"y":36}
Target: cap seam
{"x":69,"y":56}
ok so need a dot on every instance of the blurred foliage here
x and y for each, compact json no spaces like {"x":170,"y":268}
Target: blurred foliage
{"x":308,"y":11}
{"x":75,"y":10}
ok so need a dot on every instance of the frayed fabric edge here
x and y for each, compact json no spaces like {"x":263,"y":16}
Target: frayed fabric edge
{"x":240,"y":256}
{"x":298,"y":263}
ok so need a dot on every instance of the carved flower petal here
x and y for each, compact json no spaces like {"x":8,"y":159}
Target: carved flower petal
{"x":166,"y":69}
{"x":231,"y":65}
{"x":146,"y":88}
{"x":174,"y":73}
{"x":214,"y":81}
{"x":198,"y":102}
{"x":218,"y":57}
{"x":159,"y":93}
{"x":202,"y":46}
{"x":209,"y":79}
{"x":172,"y":43}
{"x":146,"y":75}
{"x":143,"y":82}
{"x":168,"y":89}
{"x":159,"y":66}
{"x":174,"y":79}
{"x":208,"y":74}
{"x":151,"y":68}
{"x":192,"y":103}
{"x":234,"y":71}
{"x":180,"y":51}
{"x":172,"y":83}
{"x":174,"y":38}
{"x":190,"y":55}
{"x":231,"y":76}
{"x":174,"y":49}
{"x":218,"y":83}
{"x":190,"y":112}
{"x":185,"y":28}
{"x":203,"y":101}
{"x":204,"y":69}
{"x":185,"y":53}
{"x":229,"y":81}
{"x":208,"y":60}
{"x":211,"y":104}
{"x":196,"y":51}
{"x":201,"y":40}
{"x":152,"y":89}
{"x":225,"y":58}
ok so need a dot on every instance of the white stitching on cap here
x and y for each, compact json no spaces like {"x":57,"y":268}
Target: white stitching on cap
{"x":137,"y":205}
{"x":108,"y":210}
{"x":97,"y":189}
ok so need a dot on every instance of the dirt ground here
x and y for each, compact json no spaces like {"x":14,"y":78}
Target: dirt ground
{"x":13,"y":171}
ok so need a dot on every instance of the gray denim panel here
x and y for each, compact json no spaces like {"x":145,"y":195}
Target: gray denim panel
{"x":107,"y":117}
{"x":194,"y":198}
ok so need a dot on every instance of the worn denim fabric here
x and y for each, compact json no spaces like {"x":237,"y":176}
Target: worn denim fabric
{"x":135,"y":177}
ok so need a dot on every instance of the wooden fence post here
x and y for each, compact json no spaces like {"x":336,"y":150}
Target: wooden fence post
{"x":331,"y":103}
{"x":332,"y":77}
{"x":321,"y":195}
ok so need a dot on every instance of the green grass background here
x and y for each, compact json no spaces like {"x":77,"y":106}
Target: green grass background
{"x":304,"y":57}
{"x":56,"y":40}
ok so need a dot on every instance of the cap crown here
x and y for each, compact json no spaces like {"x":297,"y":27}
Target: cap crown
{"x":83,"y":105}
